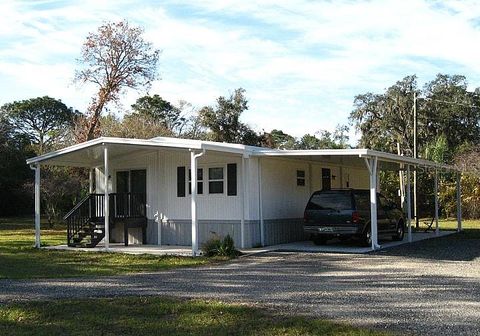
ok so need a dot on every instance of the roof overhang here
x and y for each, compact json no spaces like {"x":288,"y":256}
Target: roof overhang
{"x":354,"y":157}
{"x":90,"y":153}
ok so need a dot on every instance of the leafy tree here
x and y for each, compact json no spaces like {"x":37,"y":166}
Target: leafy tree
{"x":385,"y":119}
{"x":223,"y":120}
{"x":133,"y":126}
{"x":282,"y":140}
{"x":41,"y":120}
{"x":14,"y":173}
{"x":156,"y":108}
{"x":114,"y":58}
{"x":451,"y":112}
{"x":448,"y":116}
{"x":340,"y":136}
{"x":326,"y":140}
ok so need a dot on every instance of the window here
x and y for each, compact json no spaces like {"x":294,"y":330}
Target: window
{"x":180,"y":181}
{"x":232,"y":179}
{"x":199,"y":181}
{"x":215,"y":180}
{"x":301,"y":178}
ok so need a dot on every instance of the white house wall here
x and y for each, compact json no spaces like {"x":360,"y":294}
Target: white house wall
{"x":283,"y":202}
{"x":218,"y":214}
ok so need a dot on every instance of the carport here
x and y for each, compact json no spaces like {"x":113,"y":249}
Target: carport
{"x":374,"y":161}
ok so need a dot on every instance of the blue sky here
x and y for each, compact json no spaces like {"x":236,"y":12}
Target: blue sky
{"x":301,"y":62}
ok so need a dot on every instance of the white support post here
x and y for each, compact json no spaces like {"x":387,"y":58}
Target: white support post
{"x":435,"y":191}
{"x":90,"y":181}
{"x":409,"y":205}
{"x":459,"y":202}
{"x":260,"y":203}
{"x":37,"y":206}
{"x":193,"y":172}
{"x":106,"y":204}
{"x":310,"y":178}
{"x":373,"y":165}
{"x":242,"y":220}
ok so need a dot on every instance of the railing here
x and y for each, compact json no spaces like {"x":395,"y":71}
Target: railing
{"x":88,"y":209}
{"x":127,"y":205}
{"x":92,"y":208}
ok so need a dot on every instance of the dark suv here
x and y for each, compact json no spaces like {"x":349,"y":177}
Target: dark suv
{"x":345,"y":213}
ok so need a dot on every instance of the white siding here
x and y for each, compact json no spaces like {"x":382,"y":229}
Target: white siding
{"x":283,"y":201}
{"x":210,"y":206}
{"x":358,"y":178}
{"x":282,"y":198}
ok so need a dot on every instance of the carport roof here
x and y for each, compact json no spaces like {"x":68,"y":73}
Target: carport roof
{"x":89,"y":153}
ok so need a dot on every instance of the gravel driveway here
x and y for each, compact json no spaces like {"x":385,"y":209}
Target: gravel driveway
{"x":427,"y":288}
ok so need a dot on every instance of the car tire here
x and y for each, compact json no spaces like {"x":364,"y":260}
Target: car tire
{"x":367,"y":237}
{"x":399,"y":232}
{"x":319,"y":240}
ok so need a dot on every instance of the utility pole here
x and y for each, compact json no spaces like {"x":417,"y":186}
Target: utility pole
{"x":415,"y":214}
{"x":401,"y":179}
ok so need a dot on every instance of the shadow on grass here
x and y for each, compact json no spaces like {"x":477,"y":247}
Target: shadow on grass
{"x":156,"y":316}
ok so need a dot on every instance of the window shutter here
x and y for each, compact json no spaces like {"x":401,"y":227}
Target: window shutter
{"x":232,"y":179}
{"x":180,"y":181}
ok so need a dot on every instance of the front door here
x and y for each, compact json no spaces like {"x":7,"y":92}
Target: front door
{"x":132,"y":181}
{"x":131,"y":192}
{"x":326,"y":179}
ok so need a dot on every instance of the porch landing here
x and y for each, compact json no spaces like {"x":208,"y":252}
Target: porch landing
{"x":301,"y":246}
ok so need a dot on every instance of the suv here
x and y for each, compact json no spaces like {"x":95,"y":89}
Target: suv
{"x":345,"y":213}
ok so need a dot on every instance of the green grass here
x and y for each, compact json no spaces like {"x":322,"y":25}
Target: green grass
{"x":19,"y":260}
{"x":471,"y":227}
{"x":158,"y":316}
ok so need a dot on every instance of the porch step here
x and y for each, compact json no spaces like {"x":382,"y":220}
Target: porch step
{"x":86,"y":221}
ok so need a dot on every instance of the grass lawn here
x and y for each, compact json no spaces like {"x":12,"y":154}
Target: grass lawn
{"x":19,"y":260}
{"x":157,"y":316}
{"x":471,"y":227}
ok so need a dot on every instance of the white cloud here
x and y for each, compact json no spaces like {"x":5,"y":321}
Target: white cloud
{"x":301,"y":62}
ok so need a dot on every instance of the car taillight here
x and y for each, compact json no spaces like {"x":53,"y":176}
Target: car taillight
{"x":355,"y":217}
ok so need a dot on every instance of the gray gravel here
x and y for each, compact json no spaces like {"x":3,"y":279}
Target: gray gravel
{"x":426,"y":288}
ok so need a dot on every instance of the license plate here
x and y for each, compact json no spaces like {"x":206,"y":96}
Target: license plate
{"x":325,"y":229}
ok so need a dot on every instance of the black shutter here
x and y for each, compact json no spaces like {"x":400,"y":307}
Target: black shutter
{"x":180,"y":181}
{"x":232,"y":179}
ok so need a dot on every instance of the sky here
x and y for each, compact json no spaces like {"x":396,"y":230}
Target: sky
{"x":301,"y":62}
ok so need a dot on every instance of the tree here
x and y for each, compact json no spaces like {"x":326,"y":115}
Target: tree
{"x":282,"y":140}
{"x":448,"y":116}
{"x":133,"y":126}
{"x":223,"y":120}
{"x":14,"y":173}
{"x":444,"y":108}
{"x":114,"y":58}
{"x":450,"y":111}
{"x":386,"y":119}
{"x":155,"y":107}
{"x":42,"y":120}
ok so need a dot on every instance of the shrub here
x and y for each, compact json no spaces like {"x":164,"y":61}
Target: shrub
{"x":216,"y":246}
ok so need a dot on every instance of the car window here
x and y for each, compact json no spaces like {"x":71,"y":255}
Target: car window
{"x":330,"y":201}
{"x":362,"y":201}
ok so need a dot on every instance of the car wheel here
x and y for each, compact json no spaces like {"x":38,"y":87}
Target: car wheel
{"x":320,"y":240}
{"x":400,"y":232}
{"x":367,"y":237}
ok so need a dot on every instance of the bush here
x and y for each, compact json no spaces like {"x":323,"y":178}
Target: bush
{"x":216,"y":246}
